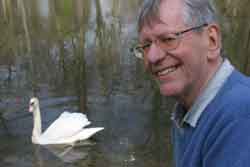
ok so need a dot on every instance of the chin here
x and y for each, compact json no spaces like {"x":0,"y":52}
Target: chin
{"x":170,"y":90}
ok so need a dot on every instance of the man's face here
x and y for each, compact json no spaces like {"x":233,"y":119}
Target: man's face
{"x":183,"y":71}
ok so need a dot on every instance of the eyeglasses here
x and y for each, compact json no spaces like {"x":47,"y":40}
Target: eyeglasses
{"x":169,"y":42}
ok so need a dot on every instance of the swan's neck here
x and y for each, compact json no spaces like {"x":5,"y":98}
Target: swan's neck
{"x":37,"y":127}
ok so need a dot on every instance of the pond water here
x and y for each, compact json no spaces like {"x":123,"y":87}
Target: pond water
{"x":74,"y":56}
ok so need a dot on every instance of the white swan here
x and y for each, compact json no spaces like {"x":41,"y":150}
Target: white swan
{"x":68,"y":128}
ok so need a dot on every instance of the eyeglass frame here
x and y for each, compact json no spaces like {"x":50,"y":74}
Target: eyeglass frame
{"x":137,"y":49}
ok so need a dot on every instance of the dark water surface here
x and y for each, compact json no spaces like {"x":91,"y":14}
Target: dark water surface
{"x":131,"y":137}
{"x":74,"y":56}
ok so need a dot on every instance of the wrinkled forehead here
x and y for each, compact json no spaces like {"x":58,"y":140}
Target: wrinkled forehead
{"x":168,"y":12}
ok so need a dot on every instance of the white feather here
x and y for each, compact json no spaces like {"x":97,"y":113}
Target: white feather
{"x":66,"y":129}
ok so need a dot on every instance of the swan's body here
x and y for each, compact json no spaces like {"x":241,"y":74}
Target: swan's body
{"x":68,"y":128}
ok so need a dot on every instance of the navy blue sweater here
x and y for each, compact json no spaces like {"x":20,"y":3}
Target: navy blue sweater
{"x":222,"y":135}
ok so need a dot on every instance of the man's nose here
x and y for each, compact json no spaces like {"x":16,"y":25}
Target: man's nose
{"x":155,"y":54}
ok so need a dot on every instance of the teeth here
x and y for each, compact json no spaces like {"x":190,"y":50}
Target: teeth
{"x":168,"y":70}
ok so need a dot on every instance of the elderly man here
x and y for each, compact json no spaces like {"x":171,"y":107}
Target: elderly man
{"x":180,"y":41}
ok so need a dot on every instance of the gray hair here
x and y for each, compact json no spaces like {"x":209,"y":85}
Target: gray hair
{"x":196,"y":12}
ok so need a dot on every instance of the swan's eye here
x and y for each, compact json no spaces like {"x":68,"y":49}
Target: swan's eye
{"x":32,"y":103}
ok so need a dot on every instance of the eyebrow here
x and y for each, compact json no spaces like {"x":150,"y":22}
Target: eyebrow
{"x":163,"y":33}
{"x":166,"y":33}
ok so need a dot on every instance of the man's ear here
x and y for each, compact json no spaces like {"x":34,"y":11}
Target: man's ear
{"x":214,"y":40}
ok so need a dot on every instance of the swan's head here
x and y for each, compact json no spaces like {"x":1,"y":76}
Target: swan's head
{"x":34,"y":104}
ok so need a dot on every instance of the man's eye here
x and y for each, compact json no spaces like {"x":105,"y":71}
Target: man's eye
{"x":167,"y":39}
{"x":145,"y":46}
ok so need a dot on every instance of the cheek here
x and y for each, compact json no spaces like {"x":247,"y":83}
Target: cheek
{"x":194,"y":70}
{"x":191,"y":71}
{"x":193,"y":59}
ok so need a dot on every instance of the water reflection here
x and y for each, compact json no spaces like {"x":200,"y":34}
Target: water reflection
{"x":43,"y":8}
{"x":74,"y":56}
{"x":236,"y":28}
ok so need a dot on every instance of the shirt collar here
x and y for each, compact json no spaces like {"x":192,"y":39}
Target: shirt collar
{"x":192,"y":116}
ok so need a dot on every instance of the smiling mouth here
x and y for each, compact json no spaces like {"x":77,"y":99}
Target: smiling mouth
{"x":166,"y":71}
